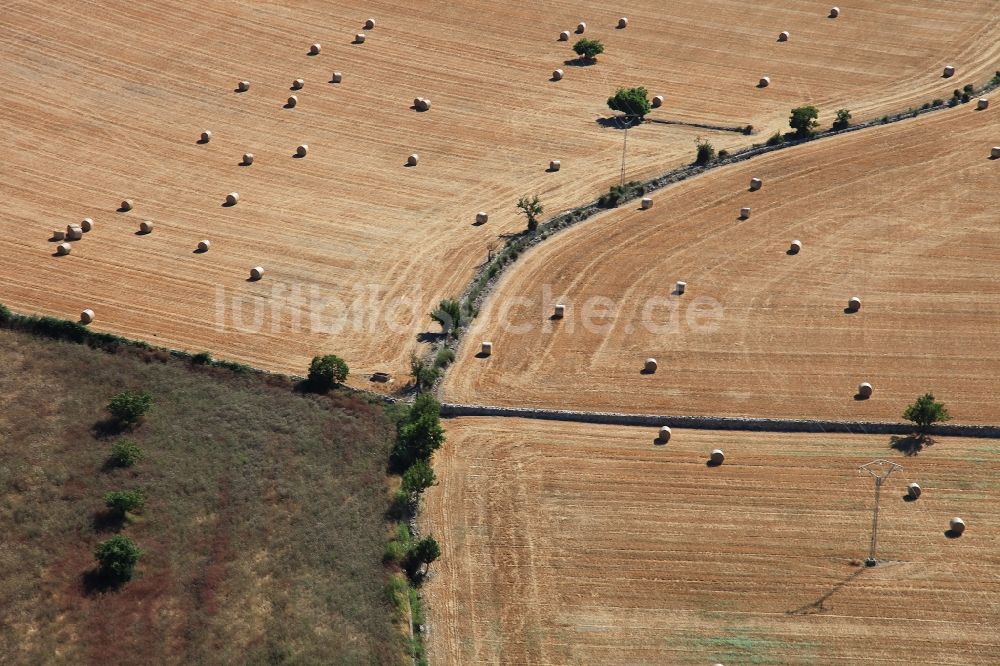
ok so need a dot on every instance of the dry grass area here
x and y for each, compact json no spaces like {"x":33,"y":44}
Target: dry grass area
{"x":902,"y":216}
{"x":263,"y":529}
{"x":105,"y":100}
{"x":570,"y":543}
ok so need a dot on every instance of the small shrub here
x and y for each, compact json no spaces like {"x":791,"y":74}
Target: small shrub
{"x":843,"y":120}
{"x":937,"y":102}
{"x":706,"y":152}
{"x":968,"y":88}
{"x":723,"y":154}
{"x":966,"y":97}
{"x":125,"y":501}
{"x":130,"y":406}
{"x":419,"y":476}
{"x":325,"y":372}
{"x":776,"y":139}
{"x":424,"y":375}
{"x":125,"y":453}
{"x":5,"y":314}
{"x":748,"y":130}
{"x":953,"y":102}
{"x":588,"y":48}
{"x":394,"y":552}
{"x":444,"y":357}
{"x":117,"y":557}
{"x":202,"y":358}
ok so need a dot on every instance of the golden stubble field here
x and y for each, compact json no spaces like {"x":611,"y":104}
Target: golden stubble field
{"x":105,"y":100}
{"x":902,"y":216}
{"x":572,"y":543}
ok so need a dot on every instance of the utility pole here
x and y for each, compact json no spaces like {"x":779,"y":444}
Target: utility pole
{"x":880,"y":471}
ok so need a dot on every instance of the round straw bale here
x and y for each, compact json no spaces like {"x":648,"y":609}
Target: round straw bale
{"x":649,"y":366}
{"x":412,"y":160}
{"x":647,"y":203}
{"x":622,"y":23}
{"x":657,"y":101}
{"x":58,"y":235}
{"x":146,"y":227}
{"x":257,"y":272}
{"x":717,"y":457}
{"x":913,"y":490}
{"x":865,"y":390}
{"x":560,"y":311}
{"x":995,"y":152}
{"x":764,"y":82}
{"x":557,"y":74}
{"x":783,"y":36}
{"x":370,"y":24}
{"x":127,"y":204}
{"x":422,"y":104}
{"x":232,"y":198}
{"x":243,"y":86}
{"x":297,"y":84}
{"x":795,"y":247}
{"x":359,"y":38}
{"x":315,"y":49}
{"x":247,"y":159}
{"x":581,"y":27}
{"x":87,"y":224}
{"x":74,"y":232}
{"x":834,"y":12}
{"x":664,"y":435}
{"x":293,"y":100}
{"x":949,"y":71}
{"x":555,"y":165}
{"x":564,"y":36}
{"x":64,"y":248}
{"x":854,"y":304}
{"x":86,"y":316}
{"x":206,"y":136}
{"x":681,"y":287}
{"x":487,"y":349}
{"x":957,"y":525}
{"x":982,"y":104}
{"x":482,"y":218}
{"x":744,"y":213}
{"x":204,"y":245}
{"x":756,"y":184}
{"x":302,"y":150}
{"x":337,"y":77}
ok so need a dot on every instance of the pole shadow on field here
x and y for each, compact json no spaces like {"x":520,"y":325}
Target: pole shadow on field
{"x":817,"y":606}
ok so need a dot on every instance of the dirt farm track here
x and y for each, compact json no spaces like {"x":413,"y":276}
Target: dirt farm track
{"x":581,"y":544}
{"x":104,"y":101}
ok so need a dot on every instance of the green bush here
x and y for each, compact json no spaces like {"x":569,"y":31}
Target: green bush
{"x":705,"y":153}
{"x":723,"y":154}
{"x":202,"y":358}
{"x":843,"y":120}
{"x":419,"y":476}
{"x":5,"y":314}
{"x":618,"y":193}
{"x":424,"y":551}
{"x":968,"y":88}
{"x":803,"y":121}
{"x":444,"y":357}
{"x":532,"y":209}
{"x":631,"y":101}
{"x":588,"y":48}
{"x":937,"y":102}
{"x":419,"y":434}
{"x":125,"y":453}
{"x":125,"y":501}
{"x":424,"y":375}
{"x":449,"y":315}
{"x":117,"y":557}
{"x":776,"y":139}
{"x":130,"y":406}
{"x":325,"y":372}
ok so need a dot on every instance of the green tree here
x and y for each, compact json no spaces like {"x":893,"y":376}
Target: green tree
{"x":925,"y":412}
{"x":449,"y":315}
{"x":633,"y":102}
{"x":419,"y":476}
{"x":420,"y":433}
{"x":803,"y":121}
{"x":130,"y":406}
{"x":843,"y":120}
{"x":325,"y":372}
{"x":531,"y":208}
{"x":588,"y":48}
{"x":125,"y":453}
{"x":117,"y":557}
{"x":125,"y":501}
{"x":424,"y":551}
{"x":706,"y":152}
{"x":424,"y":374}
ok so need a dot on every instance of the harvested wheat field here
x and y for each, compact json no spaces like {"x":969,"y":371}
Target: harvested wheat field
{"x":106,"y":101}
{"x":570,"y":543}
{"x":902,"y":216}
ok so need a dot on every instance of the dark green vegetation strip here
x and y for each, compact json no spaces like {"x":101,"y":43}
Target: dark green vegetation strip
{"x":263,"y":529}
